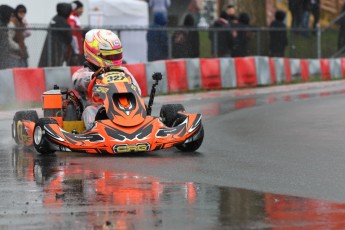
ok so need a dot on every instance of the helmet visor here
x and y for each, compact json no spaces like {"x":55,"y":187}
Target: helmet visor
{"x":111,"y":55}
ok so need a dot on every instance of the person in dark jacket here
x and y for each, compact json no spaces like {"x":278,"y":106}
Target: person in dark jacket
{"x":157,"y":40}
{"x":315,"y":11}
{"x":59,"y":39}
{"x":278,"y":35}
{"x":240,"y":37}
{"x":295,"y":7}
{"x":305,"y":17}
{"x":185,"y":43}
{"x":221,"y":39}
{"x":6,"y":12}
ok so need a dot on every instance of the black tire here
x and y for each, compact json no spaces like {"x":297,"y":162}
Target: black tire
{"x":41,"y":144}
{"x":195,"y":144}
{"x":17,"y":128}
{"x":169,"y":114}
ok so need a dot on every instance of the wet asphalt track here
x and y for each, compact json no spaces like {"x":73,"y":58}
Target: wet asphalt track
{"x":269,"y":160}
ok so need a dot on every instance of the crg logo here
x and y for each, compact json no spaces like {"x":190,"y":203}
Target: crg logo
{"x":140,"y":147}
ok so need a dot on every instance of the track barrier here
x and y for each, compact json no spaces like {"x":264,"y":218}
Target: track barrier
{"x":210,"y":74}
{"x":29,"y":84}
{"x":176,"y":75}
{"x":180,"y":75}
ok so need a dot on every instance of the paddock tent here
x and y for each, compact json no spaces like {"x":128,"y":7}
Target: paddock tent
{"x":123,"y":14}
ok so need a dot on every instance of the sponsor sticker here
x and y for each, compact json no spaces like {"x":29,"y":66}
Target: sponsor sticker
{"x":140,"y":147}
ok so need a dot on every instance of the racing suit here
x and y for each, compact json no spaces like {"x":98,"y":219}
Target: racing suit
{"x":81,"y":79}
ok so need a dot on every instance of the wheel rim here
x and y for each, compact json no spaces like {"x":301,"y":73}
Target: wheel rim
{"x":38,"y":134}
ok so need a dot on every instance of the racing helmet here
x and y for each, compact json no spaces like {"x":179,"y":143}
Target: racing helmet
{"x":103,"y":48}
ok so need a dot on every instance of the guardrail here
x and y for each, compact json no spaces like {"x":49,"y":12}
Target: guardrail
{"x":180,"y":75}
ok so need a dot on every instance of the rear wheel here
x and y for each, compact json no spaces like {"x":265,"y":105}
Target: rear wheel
{"x":193,"y":144}
{"x":41,"y":144}
{"x":18,"y":130}
{"x":169,"y":114}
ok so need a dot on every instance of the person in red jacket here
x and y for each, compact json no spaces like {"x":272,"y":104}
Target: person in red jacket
{"x":76,"y":52}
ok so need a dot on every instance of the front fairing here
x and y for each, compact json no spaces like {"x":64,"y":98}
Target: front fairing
{"x":107,"y":137}
{"x":113,"y":87}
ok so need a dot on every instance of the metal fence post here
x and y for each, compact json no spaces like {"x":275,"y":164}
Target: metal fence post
{"x":215,"y":43}
{"x":318,"y":41}
{"x":258,"y":41}
{"x":49,"y":47}
{"x":170,"y":34}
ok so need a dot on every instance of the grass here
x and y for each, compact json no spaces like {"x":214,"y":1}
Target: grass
{"x":299,"y":46}
{"x":307,"y":46}
{"x":205,"y":45}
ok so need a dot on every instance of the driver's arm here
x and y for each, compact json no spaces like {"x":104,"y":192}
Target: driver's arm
{"x":81,"y":79}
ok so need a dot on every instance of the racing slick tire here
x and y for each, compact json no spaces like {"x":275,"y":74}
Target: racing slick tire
{"x":194,"y":144}
{"x":17,"y":128}
{"x":169,"y":114}
{"x":41,"y":144}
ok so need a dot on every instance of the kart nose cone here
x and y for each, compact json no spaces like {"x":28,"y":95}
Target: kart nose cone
{"x":38,"y":134}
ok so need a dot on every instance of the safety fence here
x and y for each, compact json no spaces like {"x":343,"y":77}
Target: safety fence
{"x":20,"y":85}
{"x":309,"y":43}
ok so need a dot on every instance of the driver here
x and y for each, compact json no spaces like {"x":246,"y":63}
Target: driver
{"x":103,"y":53}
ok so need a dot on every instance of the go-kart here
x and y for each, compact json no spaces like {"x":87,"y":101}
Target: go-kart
{"x":123,"y":124}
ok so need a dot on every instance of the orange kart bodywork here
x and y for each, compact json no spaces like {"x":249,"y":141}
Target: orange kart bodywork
{"x":107,"y":137}
{"x":124,"y":124}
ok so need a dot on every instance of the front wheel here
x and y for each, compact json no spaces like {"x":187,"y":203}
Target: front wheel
{"x":169,"y":114}
{"x":193,"y":143}
{"x":41,"y":144}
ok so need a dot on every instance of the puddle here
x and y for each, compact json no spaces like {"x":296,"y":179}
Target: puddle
{"x":71,"y":193}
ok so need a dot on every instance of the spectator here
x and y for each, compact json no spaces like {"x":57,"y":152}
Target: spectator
{"x":234,"y":33}
{"x":185,"y":43}
{"x":341,"y":35}
{"x":20,"y":13}
{"x":75,"y":55}
{"x":18,"y":51}
{"x":240,"y":38}
{"x":305,"y":17}
{"x":315,"y":11}
{"x":59,"y":39}
{"x":5,"y":15}
{"x":222,"y":36}
{"x":278,"y":35}
{"x":194,"y":8}
{"x":160,"y":7}
{"x":295,"y":7}
{"x":157,"y":40}
{"x":231,"y":12}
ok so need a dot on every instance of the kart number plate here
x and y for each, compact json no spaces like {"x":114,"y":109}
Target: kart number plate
{"x":116,"y":77}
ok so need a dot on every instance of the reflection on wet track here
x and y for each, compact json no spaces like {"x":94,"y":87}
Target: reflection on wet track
{"x":80,"y":195}
{"x":80,"y":191}
{"x":218,"y":108}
